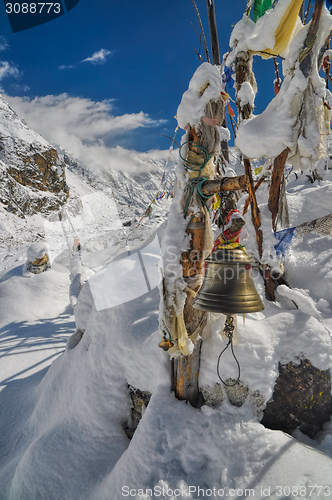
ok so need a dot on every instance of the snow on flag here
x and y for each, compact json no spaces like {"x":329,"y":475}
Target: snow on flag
{"x":129,"y":276}
{"x":24,"y":15}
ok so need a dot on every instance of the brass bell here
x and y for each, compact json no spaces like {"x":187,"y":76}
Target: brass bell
{"x":228,"y":285}
{"x":166,"y":344}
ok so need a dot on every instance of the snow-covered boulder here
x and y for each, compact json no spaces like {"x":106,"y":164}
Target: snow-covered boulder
{"x":38,"y":256}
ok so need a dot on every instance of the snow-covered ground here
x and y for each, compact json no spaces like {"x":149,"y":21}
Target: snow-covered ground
{"x":62,"y":431}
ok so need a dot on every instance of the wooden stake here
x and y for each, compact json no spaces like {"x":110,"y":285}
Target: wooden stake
{"x":244,"y":73}
{"x":306,"y":53}
{"x":213,"y":33}
{"x":202,"y":31}
{"x":186,"y":375}
{"x":216,"y":61}
{"x":255,"y":217}
{"x":322,"y":51}
{"x":246,"y":203}
{"x":278,"y":170}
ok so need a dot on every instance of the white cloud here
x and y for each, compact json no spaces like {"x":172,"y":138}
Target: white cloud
{"x":20,"y":88}
{"x":6,"y":70}
{"x":98,"y":57}
{"x":3,"y":43}
{"x":82,"y":126}
{"x":67,"y":66}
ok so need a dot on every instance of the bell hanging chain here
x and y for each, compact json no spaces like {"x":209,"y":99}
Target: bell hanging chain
{"x":229,"y":330}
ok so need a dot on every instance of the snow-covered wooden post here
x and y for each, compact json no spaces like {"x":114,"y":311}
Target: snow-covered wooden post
{"x":189,"y":239}
{"x":217,"y":62}
{"x":294,"y":105}
{"x":306,"y":66}
{"x":246,"y":88}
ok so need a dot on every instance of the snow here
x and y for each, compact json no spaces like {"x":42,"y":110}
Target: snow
{"x":34,"y":333}
{"x":62,"y":424}
{"x":279,"y":126}
{"x":13,"y":126}
{"x":192,"y":106}
{"x":302,"y":300}
{"x":78,"y":408}
{"x":37,"y":251}
{"x":127,"y":277}
{"x":260,"y":36}
{"x":209,"y":449}
{"x":246,"y":95}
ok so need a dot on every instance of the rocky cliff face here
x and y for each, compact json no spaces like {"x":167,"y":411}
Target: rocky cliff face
{"x":32,"y":173}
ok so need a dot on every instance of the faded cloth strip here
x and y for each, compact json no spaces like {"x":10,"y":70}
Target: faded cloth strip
{"x":322,"y":226}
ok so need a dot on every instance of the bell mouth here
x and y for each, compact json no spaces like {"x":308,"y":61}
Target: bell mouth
{"x":228,"y":305}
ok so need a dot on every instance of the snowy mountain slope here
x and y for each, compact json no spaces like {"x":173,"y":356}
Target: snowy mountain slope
{"x":33,"y":185}
{"x":132,"y":191}
{"x":32,"y":173}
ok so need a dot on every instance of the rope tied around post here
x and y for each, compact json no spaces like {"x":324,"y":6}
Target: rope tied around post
{"x":229,"y":330}
{"x":198,"y":181}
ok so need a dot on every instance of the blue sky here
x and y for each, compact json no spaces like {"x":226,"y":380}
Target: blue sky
{"x":133,"y":59}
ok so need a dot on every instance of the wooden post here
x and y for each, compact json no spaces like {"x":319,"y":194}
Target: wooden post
{"x":278,"y":170}
{"x":216,"y":60}
{"x":322,"y":51}
{"x":255,"y":217}
{"x":306,"y":52}
{"x":186,"y":371}
{"x":301,"y":13}
{"x":213,"y":33}
{"x":244,"y":73}
{"x":246,"y":204}
{"x":186,"y":368}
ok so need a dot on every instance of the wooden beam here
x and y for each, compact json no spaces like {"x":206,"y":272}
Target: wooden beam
{"x":239,"y":183}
